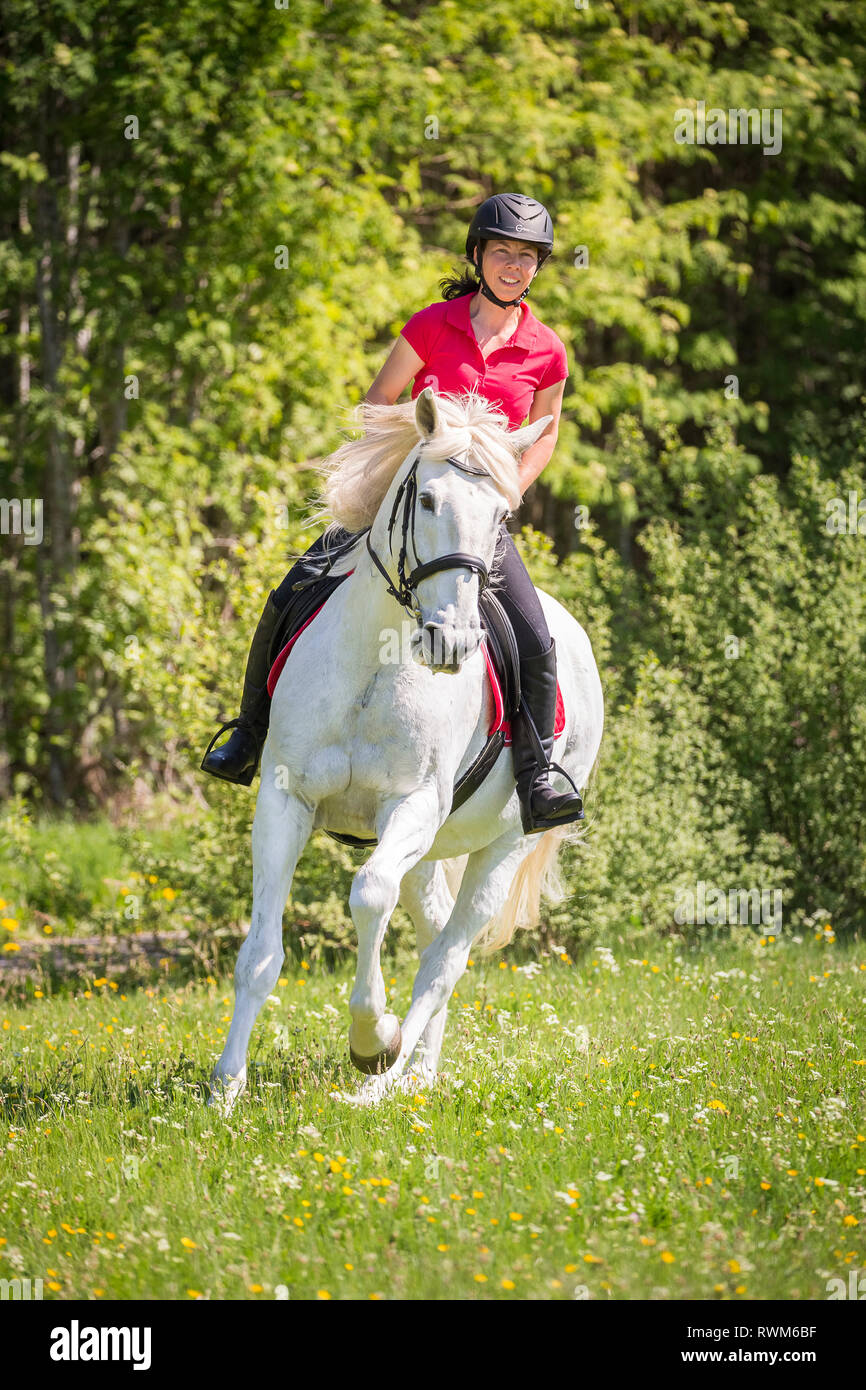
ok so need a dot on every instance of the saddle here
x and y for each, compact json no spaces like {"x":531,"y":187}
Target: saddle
{"x":501,"y":656}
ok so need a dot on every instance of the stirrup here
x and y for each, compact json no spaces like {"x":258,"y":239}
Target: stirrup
{"x":556,"y":767}
{"x":244,"y":780}
{"x":535,"y":823}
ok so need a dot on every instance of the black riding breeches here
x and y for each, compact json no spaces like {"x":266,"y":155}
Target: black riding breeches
{"x":519,"y":597}
{"x":509,"y":579}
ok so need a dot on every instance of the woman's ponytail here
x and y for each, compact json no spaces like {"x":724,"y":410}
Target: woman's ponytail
{"x":463,"y":282}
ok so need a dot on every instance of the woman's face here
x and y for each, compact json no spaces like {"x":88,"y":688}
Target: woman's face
{"x":509,"y":267}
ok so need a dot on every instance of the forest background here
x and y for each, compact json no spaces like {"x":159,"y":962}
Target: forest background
{"x":169,"y":377}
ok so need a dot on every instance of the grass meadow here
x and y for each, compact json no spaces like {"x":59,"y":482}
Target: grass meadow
{"x":670,"y":1121}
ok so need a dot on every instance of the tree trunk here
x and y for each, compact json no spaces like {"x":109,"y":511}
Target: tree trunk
{"x":54,"y":556}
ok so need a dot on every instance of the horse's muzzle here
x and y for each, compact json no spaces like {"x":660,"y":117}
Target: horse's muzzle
{"x":443,"y":648}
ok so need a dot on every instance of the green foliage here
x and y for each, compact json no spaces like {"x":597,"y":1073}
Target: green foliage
{"x":166,"y":382}
{"x":762,"y":605}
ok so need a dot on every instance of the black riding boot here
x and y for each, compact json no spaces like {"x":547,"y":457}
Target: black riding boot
{"x":541,"y":806}
{"x":238,"y":759}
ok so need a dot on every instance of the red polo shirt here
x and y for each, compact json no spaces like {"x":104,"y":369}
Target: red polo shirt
{"x":532,"y":359}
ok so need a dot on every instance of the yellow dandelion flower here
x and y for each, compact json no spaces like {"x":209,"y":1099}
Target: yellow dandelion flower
{"x":508,"y":1284}
{"x":668,"y":1258}
{"x":187,"y":1243}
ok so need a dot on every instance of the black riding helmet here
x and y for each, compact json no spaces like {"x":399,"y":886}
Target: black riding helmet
{"x":509,"y":217}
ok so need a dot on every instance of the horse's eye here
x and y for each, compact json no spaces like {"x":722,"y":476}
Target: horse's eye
{"x":426,"y":502}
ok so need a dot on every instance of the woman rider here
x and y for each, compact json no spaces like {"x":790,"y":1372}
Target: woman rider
{"x":481,"y":336}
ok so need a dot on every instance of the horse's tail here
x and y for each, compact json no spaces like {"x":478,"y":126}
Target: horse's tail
{"x":539,"y":874}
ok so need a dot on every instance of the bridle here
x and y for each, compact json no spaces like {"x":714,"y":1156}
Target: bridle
{"x":458,"y":559}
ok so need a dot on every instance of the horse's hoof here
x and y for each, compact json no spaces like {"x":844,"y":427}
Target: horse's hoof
{"x":225,"y":1092}
{"x":382,"y":1061}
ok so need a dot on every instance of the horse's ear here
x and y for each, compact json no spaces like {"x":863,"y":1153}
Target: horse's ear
{"x":524,"y":438}
{"x":426,"y":413}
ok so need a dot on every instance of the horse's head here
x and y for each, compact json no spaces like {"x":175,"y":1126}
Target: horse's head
{"x":454,"y":508}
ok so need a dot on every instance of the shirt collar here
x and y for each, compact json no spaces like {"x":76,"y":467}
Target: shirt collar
{"x":523,"y":337}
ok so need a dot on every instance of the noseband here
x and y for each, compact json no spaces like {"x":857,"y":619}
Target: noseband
{"x":405,"y":592}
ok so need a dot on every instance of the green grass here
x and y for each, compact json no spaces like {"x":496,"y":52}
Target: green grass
{"x":706,"y":1137}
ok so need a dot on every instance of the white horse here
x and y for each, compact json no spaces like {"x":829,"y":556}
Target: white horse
{"x":368,"y":733}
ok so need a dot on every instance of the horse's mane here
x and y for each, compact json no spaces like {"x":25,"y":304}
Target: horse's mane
{"x":356,"y":477}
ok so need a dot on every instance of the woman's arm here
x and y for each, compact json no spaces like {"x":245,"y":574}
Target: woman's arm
{"x":402,"y":366}
{"x":547,"y":402}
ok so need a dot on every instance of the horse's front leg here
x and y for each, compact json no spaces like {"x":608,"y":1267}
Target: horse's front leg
{"x":406,"y":830}
{"x":281,"y":828}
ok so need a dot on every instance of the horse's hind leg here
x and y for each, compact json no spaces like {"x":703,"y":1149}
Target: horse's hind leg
{"x":427,"y":898}
{"x":281,"y":828}
{"x":484,"y":889}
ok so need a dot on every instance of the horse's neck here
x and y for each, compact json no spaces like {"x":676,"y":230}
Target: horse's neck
{"x":370,"y":608}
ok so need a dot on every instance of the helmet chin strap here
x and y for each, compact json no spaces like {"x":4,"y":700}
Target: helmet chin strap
{"x":503,"y":303}
{"x":488,"y":293}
